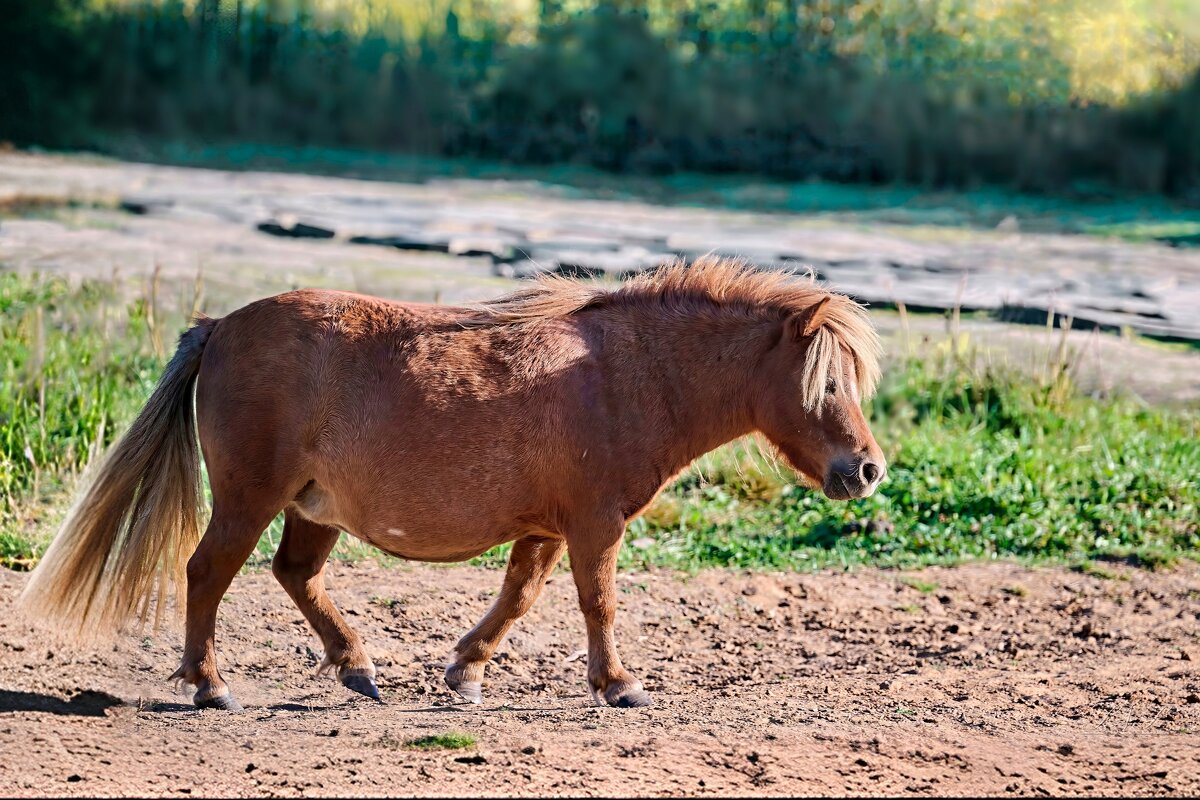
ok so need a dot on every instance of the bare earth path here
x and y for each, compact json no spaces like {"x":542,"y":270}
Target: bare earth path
{"x":998,"y":679}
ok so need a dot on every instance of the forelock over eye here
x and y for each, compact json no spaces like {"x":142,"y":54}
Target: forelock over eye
{"x":831,"y":385}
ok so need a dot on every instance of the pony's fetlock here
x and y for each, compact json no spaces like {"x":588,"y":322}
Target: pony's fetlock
{"x":209,"y":693}
{"x":345,"y":663}
{"x":178,"y":678}
{"x":327,"y":663}
{"x":186,"y":675}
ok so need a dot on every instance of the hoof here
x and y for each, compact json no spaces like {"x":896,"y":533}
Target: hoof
{"x":471,"y":691}
{"x":624,"y":696}
{"x":638,"y":698}
{"x":459,"y":678}
{"x":363,"y":684}
{"x":222,"y":702}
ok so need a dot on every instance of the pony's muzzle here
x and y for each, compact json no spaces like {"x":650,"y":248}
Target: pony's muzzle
{"x":854,"y":477}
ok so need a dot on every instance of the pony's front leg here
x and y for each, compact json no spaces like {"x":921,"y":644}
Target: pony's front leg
{"x":529,"y":565}
{"x":593,"y":554}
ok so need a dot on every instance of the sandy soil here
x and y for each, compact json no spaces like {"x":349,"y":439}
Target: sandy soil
{"x":995,"y":679}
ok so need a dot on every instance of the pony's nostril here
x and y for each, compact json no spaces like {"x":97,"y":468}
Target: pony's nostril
{"x":870,"y":472}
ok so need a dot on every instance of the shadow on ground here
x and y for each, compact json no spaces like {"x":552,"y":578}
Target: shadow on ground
{"x":84,"y":704}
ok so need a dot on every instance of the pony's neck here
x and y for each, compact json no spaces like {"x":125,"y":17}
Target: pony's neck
{"x":696,"y":378}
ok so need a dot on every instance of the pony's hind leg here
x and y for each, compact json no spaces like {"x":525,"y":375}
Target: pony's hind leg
{"x":529,"y":565}
{"x":227,"y":543}
{"x":299,"y":566}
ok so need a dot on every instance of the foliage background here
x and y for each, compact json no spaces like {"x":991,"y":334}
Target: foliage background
{"x":1074,"y":96}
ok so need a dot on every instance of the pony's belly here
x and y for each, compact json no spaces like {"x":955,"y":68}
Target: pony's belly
{"x":419,"y":545}
{"x":403,"y":527}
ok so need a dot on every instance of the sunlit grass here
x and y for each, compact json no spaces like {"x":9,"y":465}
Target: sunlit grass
{"x":443,"y":741}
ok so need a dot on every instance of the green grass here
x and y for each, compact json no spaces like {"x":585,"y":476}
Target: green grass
{"x":982,"y":464}
{"x":67,"y":392}
{"x":1097,"y":571}
{"x":924,"y":587}
{"x":443,"y":741}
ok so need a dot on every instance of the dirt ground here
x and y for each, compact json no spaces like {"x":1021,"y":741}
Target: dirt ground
{"x":979,"y":679}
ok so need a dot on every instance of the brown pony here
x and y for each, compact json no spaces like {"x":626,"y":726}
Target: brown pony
{"x":549,"y":418}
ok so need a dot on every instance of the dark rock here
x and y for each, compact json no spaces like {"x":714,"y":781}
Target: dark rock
{"x":297,"y":230}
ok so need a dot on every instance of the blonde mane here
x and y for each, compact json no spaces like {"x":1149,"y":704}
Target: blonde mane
{"x":725,"y":283}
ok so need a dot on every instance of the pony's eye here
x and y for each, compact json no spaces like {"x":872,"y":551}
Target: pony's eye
{"x":831,"y":386}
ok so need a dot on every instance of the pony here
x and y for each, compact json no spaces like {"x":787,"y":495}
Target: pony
{"x":549,"y":418}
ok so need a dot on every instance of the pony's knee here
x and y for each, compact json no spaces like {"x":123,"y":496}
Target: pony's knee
{"x":601,"y":610}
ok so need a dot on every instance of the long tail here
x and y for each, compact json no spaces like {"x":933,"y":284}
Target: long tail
{"x":129,"y":536}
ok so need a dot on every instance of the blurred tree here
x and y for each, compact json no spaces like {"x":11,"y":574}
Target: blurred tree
{"x":1039,"y":94}
{"x":41,"y":97}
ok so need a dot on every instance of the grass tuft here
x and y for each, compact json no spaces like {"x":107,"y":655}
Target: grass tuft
{"x":1094,"y":569}
{"x":443,"y":741}
{"x":924,"y":587}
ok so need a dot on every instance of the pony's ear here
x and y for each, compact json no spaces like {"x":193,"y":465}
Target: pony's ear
{"x":807,"y":322}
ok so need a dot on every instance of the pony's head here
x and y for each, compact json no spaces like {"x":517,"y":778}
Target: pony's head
{"x":823,"y":365}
